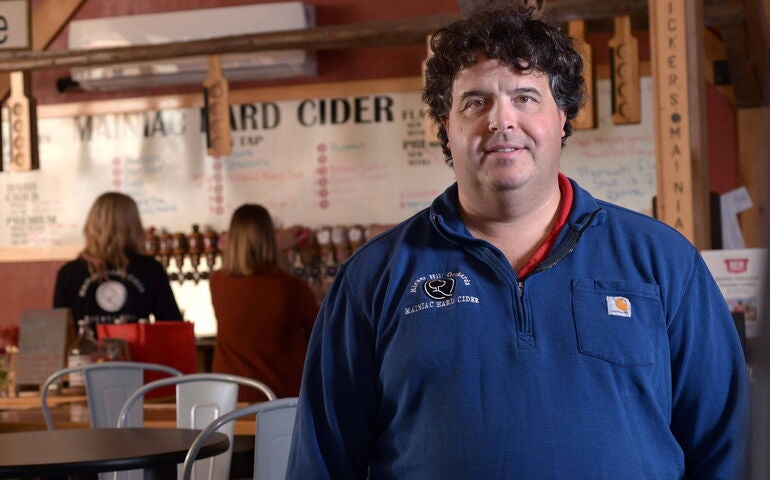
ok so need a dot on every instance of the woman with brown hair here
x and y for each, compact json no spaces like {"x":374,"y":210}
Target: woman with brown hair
{"x":111,"y":279}
{"x":264,"y":315}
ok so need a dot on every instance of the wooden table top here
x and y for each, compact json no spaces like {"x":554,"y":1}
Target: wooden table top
{"x":24,"y":413}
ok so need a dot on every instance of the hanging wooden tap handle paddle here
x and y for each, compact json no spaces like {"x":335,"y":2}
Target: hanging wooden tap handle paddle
{"x":217,"y":104}
{"x":585,"y":118}
{"x":23,"y":120}
{"x":624,"y":73}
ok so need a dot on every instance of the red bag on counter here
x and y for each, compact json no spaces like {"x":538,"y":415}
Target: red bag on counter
{"x":169,"y":343}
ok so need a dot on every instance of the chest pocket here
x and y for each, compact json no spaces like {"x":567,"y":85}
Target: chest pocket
{"x":617,"y":321}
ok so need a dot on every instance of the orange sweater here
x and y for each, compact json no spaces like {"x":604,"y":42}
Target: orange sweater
{"x":263,"y":323}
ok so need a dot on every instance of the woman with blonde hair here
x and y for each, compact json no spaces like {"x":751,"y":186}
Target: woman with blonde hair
{"x":112,"y":279}
{"x":264,"y":315}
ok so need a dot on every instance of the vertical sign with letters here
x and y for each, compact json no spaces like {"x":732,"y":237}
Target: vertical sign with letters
{"x":680,"y":165}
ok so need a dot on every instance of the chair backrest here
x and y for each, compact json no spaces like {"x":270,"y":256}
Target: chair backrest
{"x":108,"y":385}
{"x":200,"y":399}
{"x":275,"y":423}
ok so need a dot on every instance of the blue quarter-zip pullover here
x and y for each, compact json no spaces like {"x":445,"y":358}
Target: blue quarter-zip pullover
{"x":616,"y":358}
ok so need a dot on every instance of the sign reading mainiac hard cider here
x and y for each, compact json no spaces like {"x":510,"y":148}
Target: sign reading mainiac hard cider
{"x":14,"y":25}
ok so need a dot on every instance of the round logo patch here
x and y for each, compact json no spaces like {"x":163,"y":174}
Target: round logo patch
{"x":111,"y":296}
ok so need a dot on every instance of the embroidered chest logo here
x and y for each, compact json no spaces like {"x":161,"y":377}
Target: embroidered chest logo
{"x":618,"y":306}
{"x":441,"y":290}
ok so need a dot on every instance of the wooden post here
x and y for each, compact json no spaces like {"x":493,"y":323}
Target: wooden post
{"x":676,"y":40}
{"x":586,"y":116}
{"x":624,"y":74}
{"x":217,"y":101}
{"x":23,"y":120}
{"x":753,"y":155}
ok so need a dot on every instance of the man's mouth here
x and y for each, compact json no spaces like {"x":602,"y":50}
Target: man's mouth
{"x":504,"y":149}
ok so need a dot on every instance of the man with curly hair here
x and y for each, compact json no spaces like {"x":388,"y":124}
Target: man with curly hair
{"x":519,"y":327}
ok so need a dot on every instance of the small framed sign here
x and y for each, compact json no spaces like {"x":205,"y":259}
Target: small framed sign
{"x":43,"y":336}
{"x":15,"y":31}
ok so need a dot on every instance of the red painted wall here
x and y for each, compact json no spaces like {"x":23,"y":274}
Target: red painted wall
{"x":722,"y":128}
{"x":25,"y":286}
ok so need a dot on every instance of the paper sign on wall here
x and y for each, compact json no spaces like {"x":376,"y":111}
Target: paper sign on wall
{"x":740,"y":274}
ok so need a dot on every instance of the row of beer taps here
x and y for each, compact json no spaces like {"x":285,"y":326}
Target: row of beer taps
{"x":315,"y":254}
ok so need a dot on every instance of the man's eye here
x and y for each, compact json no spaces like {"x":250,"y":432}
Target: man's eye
{"x":475,"y":103}
{"x":524,"y":99}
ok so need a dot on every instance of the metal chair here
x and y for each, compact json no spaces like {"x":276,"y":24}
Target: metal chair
{"x":108,"y":386}
{"x":275,"y":422}
{"x":200,"y":399}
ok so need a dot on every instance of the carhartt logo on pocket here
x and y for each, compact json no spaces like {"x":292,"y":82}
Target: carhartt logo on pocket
{"x":618,"y":306}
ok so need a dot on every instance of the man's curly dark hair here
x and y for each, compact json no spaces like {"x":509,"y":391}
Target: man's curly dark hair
{"x":518,"y":39}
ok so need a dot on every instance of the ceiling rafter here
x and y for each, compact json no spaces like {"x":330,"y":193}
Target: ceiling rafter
{"x":728,"y":16}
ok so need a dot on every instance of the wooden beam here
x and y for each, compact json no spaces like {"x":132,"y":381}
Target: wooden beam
{"x":409,"y":31}
{"x":699,"y":161}
{"x":753,"y":141}
{"x":715,"y":12}
{"x":742,"y":75}
{"x":405,"y":31}
{"x":48,"y":19}
{"x":714,"y":52}
{"x":754,"y":120}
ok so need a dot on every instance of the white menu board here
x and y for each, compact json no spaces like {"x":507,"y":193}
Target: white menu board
{"x":314,"y":161}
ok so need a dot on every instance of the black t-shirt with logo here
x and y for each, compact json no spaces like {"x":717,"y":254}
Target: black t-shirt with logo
{"x":142,"y":291}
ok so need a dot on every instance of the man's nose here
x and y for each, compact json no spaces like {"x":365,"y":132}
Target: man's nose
{"x":502,"y":117}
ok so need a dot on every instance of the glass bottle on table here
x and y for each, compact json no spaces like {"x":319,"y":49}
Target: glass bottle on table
{"x":82,"y":351}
